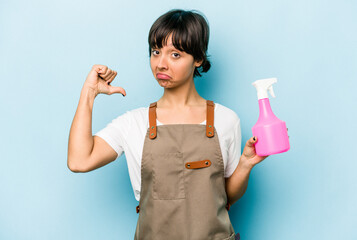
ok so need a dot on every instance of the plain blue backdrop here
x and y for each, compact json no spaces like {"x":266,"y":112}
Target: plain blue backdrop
{"x":47,"y":49}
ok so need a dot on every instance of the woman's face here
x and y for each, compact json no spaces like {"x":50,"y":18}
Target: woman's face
{"x":172,"y":67}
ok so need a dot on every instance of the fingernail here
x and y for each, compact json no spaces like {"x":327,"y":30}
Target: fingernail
{"x":254,"y":138}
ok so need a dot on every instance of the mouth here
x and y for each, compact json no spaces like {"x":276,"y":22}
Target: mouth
{"x":162,"y":76}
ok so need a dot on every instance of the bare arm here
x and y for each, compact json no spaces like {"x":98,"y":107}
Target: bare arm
{"x":237,"y":183}
{"x":87,"y":152}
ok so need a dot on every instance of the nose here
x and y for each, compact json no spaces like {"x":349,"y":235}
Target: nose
{"x":162,"y":63}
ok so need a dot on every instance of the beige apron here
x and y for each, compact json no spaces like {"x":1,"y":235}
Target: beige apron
{"x":183,"y":193}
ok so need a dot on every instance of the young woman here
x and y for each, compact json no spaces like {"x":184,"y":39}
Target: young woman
{"x":183,"y":151}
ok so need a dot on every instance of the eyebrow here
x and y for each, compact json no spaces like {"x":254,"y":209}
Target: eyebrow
{"x":171,"y":46}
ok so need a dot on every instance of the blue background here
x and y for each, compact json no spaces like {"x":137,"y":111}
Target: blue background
{"x":47,"y":49}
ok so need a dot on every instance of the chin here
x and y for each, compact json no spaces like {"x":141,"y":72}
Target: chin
{"x":163,"y":82}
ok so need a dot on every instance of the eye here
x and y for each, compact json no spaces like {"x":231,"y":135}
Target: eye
{"x":154,"y":52}
{"x":176,"y":55}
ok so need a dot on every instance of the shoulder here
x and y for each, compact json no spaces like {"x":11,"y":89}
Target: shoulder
{"x":226,"y":115}
{"x":137,"y":112}
{"x":131,"y":116}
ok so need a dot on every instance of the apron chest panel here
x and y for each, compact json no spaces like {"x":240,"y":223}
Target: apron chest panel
{"x":183,"y":193}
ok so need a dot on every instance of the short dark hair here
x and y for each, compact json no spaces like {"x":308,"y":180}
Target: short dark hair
{"x":190,"y":33}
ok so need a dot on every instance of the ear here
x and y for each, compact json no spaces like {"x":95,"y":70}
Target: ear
{"x":198,"y":63}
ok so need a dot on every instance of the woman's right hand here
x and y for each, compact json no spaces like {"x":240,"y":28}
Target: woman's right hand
{"x":99,"y":80}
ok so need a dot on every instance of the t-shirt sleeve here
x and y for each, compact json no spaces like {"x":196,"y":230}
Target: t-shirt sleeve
{"x":116,"y":132}
{"x":234,"y":150}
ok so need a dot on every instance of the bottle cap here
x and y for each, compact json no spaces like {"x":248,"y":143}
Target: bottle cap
{"x":263,"y":86}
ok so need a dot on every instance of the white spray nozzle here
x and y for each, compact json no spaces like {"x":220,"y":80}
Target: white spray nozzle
{"x":263,"y":86}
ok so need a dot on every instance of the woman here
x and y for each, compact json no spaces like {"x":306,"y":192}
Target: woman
{"x":183,"y":151}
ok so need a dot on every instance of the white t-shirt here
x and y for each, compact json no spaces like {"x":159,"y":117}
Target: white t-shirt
{"x":127,"y":132}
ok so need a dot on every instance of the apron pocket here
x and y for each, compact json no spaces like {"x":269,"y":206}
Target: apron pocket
{"x":168,"y":176}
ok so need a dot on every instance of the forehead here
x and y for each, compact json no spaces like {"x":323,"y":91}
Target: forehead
{"x":169,"y":43}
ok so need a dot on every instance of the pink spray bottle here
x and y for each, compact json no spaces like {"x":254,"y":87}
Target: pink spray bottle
{"x":271,"y":132}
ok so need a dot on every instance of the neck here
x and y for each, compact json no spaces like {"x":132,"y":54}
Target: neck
{"x":180,"y":97}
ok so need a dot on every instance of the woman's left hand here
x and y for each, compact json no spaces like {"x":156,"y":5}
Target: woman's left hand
{"x":249,"y":158}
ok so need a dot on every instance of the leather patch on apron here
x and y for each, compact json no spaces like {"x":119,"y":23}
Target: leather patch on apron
{"x":198,"y":164}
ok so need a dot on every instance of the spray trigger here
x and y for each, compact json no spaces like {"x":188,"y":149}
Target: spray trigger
{"x":271,"y":91}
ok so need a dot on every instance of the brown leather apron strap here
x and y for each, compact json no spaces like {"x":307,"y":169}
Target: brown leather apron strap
{"x":210,"y":119}
{"x":152,"y":120}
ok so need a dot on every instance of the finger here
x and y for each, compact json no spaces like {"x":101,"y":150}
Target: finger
{"x":111,"y":78}
{"x":251,"y":141}
{"x":113,"y":89}
{"x":101,"y":69}
{"x":114,"y":75}
{"x":107,"y":74}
